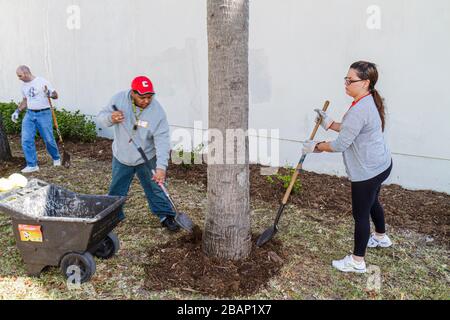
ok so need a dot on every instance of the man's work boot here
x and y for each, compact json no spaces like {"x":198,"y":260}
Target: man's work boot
{"x":170,"y":224}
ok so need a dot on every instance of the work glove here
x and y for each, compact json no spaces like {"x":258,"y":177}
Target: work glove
{"x":15,"y":116}
{"x":309,"y":146}
{"x":326,"y":119}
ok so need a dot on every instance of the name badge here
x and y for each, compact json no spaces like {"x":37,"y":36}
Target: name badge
{"x":142,"y":124}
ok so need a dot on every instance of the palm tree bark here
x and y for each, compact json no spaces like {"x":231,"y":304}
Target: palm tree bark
{"x":227,"y":232}
{"x":5,"y":150}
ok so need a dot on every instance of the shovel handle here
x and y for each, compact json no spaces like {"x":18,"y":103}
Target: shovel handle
{"x":300,"y":163}
{"x":324,"y":109}
{"x":55,"y":122}
{"x":51,"y":108}
{"x":138,"y":147}
{"x":163,"y":188}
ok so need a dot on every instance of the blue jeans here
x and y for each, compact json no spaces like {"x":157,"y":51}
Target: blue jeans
{"x":122,"y":176}
{"x":43,"y":122}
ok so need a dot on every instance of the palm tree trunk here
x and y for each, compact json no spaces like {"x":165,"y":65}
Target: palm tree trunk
{"x":5,"y":150}
{"x":227,"y":232}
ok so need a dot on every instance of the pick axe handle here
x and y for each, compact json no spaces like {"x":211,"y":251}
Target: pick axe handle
{"x":300,"y":163}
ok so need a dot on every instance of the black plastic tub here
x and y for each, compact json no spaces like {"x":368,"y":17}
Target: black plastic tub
{"x":57,"y":227}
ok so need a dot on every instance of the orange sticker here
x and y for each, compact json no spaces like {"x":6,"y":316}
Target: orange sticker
{"x":30,"y":233}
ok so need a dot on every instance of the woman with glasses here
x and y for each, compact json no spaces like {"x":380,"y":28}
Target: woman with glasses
{"x":367,"y":160}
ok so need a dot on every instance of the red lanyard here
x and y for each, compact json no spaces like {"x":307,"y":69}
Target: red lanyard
{"x":356,"y":102}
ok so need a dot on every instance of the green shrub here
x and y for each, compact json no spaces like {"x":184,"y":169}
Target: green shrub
{"x":187,"y":159}
{"x":6,"y":110}
{"x":73,"y":126}
{"x":76,"y":126}
{"x":286,"y":180}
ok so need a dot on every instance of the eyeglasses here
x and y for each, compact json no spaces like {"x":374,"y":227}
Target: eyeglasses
{"x":348,"y":81}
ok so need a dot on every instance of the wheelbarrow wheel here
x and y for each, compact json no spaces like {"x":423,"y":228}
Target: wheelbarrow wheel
{"x":108,"y":247}
{"x":78,"y":267}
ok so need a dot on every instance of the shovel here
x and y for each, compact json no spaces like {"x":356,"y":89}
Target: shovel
{"x":270,"y":232}
{"x":66,"y":155}
{"x":181,"y":218}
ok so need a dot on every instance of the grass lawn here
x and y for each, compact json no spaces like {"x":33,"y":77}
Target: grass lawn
{"x":413,"y":269}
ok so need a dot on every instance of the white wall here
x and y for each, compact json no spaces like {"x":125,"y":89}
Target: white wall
{"x":299,"y":53}
{"x":117,"y":40}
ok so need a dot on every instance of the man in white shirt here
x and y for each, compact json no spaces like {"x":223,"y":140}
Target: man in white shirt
{"x":35,"y":92}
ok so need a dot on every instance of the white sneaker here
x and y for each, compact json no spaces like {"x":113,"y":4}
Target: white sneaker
{"x":57,"y":163}
{"x":28,"y":169}
{"x":374,"y":242}
{"x":348,"y":264}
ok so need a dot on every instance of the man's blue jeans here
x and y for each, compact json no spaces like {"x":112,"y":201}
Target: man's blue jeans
{"x":122,"y":176}
{"x":43,"y":122}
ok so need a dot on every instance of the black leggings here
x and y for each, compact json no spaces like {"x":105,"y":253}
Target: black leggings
{"x":365,"y":205}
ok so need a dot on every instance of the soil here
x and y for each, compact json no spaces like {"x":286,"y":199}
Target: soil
{"x":99,"y":150}
{"x":182,"y":265}
{"x":424,"y":211}
{"x":7,"y":167}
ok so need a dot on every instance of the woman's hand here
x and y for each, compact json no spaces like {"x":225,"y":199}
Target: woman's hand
{"x":310,"y":146}
{"x":327,"y":121}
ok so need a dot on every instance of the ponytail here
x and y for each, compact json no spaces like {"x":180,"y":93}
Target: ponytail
{"x":379,"y":101}
{"x":368,"y":71}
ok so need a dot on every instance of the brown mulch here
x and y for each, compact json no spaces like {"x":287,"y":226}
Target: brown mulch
{"x":427,"y":212}
{"x":99,"y":150}
{"x":182,"y":265}
{"x":424,"y":211}
{"x":8,"y":167}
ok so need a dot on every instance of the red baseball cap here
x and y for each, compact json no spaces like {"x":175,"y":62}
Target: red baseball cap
{"x":142,"y":85}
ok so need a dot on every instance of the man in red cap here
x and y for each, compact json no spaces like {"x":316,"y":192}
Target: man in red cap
{"x":143,"y":117}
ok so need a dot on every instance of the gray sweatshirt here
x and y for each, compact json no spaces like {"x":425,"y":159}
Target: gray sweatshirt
{"x":154,"y":138}
{"x":362,"y":142}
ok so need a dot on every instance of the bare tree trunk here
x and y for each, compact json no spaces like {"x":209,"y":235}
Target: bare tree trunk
{"x":5,"y":150}
{"x":227,"y":233}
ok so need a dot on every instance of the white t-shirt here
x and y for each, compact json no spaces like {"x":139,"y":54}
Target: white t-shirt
{"x":34,"y":92}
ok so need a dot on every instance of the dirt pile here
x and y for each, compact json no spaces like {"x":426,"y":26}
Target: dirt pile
{"x":183,"y":266}
{"x":426,"y":212}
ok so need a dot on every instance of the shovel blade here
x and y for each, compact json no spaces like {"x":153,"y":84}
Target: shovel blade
{"x":266,"y":236}
{"x":183,"y":220}
{"x":66,"y":160}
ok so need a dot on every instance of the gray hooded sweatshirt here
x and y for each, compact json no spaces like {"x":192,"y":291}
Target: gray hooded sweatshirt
{"x":153,"y":135}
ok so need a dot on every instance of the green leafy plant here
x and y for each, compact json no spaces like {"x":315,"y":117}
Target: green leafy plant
{"x":76,"y":126}
{"x":286,"y":180}
{"x":188,"y":158}
{"x":73,"y":125}
{"x":6,"y":110}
